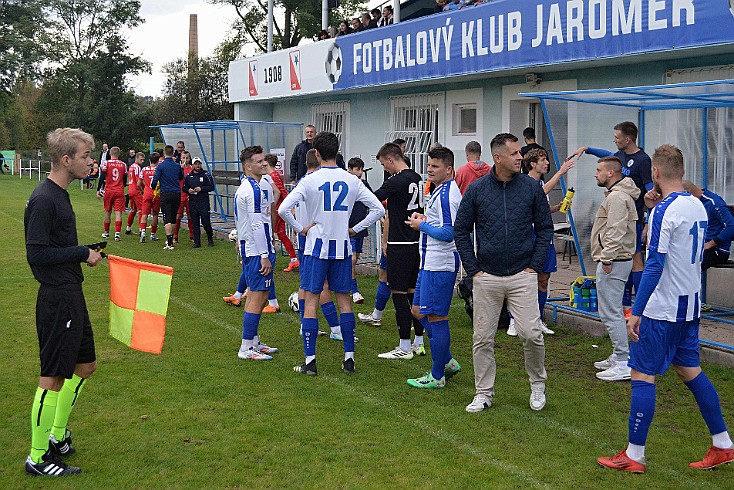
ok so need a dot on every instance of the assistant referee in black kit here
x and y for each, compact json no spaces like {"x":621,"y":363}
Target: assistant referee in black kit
{"x":64,"y":331}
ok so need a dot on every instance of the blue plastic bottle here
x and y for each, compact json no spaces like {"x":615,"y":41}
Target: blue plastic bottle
{"x":592,"y":300}
{"x":585,"y":300}
{"x":576,"y":296}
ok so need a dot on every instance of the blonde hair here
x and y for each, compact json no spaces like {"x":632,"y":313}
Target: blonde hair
{"x":65,"y":141}
{"x":669,"y":161}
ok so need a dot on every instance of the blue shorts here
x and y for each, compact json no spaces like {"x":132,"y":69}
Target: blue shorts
{"x":357,"y":244}
{"x":255,"y":280}
{"x":314,"y":271}
{"x":664,"y":343}
{"x":438,"y":291}
{"x":640,"y":243}
{"x":551,"y":265}
{"x":301,"y":246}
{"x":383,"y":261}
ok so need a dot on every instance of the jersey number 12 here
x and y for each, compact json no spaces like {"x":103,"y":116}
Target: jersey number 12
{"x":340,"y":189}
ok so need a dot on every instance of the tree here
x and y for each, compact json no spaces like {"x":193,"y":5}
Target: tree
{"x":89,"y":65}
{"x":20,"y":42}
{"x":295,"y":20}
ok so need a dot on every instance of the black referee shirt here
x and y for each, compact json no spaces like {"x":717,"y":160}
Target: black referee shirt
{"x":50,"y":223}
{"x":404,"y":194}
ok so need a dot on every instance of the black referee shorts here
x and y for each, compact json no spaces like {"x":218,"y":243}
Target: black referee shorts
{"x":403,"y":262}
{"x":65,"y":336}
{"x":170,"y":201}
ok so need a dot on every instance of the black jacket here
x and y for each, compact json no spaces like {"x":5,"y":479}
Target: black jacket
{"x":360,"y":212}
{"x":298,"y":160}
{"x":201,"y":179}
{"x":513,"y":225}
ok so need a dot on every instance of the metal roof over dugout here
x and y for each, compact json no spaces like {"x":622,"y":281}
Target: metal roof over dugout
{"x":696,"y":117}
{"x":218,"y":144}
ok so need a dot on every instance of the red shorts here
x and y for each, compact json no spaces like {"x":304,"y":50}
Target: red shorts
{"x":184,"y":206}
{"x":136,"y":201}
{"x":279,"y":225}
{"x":151,"y":203}
{"x":114,"y":200}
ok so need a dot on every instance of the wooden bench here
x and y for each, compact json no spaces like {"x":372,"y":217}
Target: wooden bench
{"x":226,"y":177}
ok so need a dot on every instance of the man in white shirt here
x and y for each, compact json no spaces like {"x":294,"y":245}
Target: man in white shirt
{"x":256,"y":247}
{"x":663,"y":326}
{"x":329,"y":194}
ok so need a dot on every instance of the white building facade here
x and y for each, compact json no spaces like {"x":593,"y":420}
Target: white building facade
{"x":456,"y":77}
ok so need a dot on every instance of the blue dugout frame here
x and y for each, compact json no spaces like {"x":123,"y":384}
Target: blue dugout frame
{"x":211,"y":159}
{"x":696,"y":95}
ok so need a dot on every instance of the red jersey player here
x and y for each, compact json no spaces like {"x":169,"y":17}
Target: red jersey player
{"x":279,"y":230}
{"x":112,"y":189}
{"x":134,"y":173}
{"x":151,"y":199}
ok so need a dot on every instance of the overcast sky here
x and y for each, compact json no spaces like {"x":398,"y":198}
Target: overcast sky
{"x":164,"y":36}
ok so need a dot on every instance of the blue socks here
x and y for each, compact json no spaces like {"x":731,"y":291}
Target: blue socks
{"x":440,"y":341}
{"x":633,"y":281}
{"x":271,"y":291}
{"x":355,"y":288}
{"x":383,"y":294}
{"x":242,"y":285}
{"x":542,"y":298}
{"x":636,"y":278}
{"x":708,"y":402}
{"x":249,"y":325}
{"x":310,"y":332}
{"x":627,"y":295}
{"x":426,"y":326}
{"x":329,"y":311}
{"x":642,"y":410}
{"x":346,"y":320}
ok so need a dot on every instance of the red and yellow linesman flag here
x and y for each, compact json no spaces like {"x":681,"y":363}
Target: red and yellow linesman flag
{"x":139,"y":294}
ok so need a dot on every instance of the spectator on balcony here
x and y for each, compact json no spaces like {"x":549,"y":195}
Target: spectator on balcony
{"x":357,"y":25}
{"x":322,"y":35}
{"x":387,"y":16}
{"x":376,"y":16}
{"x":454,"y":5}
{"x":440,"y":4}
{"x":368,"y":22}
{"x":344,"y":29}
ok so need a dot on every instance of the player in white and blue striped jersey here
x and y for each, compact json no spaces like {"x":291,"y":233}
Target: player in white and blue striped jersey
{"x":663,"y":326}
{"x":439,"y":264}
{"x":256,"y":248}
{"x":329,"y":193}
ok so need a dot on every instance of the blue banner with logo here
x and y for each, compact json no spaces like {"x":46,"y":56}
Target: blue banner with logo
{"x":508,"y":34}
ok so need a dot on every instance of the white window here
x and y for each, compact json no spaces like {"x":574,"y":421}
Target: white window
{"x":464,"y":119}
{"x":414,"y":118}
{"x":333,"y":117}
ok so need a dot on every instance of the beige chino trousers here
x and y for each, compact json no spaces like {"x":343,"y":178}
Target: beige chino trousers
{"x":521,"y":292}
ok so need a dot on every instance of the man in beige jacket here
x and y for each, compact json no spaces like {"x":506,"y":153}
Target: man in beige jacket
{"x":612,"y":246}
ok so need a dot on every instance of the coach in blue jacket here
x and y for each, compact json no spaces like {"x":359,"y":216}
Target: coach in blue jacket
{"x":169,"y":174}
{"x":513,"y":230}
{"x":198,"y":184}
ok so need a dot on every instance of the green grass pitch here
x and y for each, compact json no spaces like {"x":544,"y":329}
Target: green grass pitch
{"x":196,"y":416}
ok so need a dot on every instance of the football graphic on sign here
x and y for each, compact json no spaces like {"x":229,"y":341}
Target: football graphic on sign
{"x":334,"y":63}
